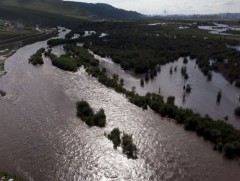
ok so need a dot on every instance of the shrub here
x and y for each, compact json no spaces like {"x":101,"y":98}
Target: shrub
{"x":36,"y":59}
{"x":85,"y":112}
{"x":99,"y":118}
{"x":237,"y":111}
{"x":228,"y":150}
{"x":129,"y":148}
{"x":114,"y":136}
{"x":171,"y":100}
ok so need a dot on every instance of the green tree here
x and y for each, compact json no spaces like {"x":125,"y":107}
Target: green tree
{"x":99,"y":118}
{"x":114,"y":136}
{"x":237,"y":111}
{"x":219,"y":96}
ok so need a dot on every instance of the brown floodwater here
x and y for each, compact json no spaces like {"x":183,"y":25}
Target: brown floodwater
{"x":42,"y":139}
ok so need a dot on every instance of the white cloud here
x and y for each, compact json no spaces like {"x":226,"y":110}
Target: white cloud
{"x":174,"y":6}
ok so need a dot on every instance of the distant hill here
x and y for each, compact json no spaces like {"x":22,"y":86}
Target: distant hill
{"x":51,"y":12}
{"x":104,"y":10}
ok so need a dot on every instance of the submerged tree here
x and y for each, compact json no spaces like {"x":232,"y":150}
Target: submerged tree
{"x":146,"y":77}
{"x":171,"y":70}
{"x":85,"y":112}
{"x":142,"y":83}
{"x":188,"y":88}
{"x":129,"y":148}
{"x":237,"y":111}
{"x":99,"y":118}
{"x":219,"y":96}
{"x":133,"y":89}
{"x":185,"y":60}
{"x":114,"y":136}
{"x":122,"y":82}
{"x":209,"y":76}
{"x":171,"y":100}
{"x":175,"y":69}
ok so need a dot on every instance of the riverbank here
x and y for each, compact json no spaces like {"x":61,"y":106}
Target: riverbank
{"x":9,"y":46}
{"x":4,"y":54}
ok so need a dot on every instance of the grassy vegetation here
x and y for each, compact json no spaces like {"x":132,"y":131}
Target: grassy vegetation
{"x":34,"y":16}
{"x":85,"y":112}
{"x":36,"y":59}
{"x":8,"y":177}
{"x":50,"y":6}
{"x":4,"y":34}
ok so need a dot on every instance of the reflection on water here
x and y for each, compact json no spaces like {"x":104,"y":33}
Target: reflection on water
{"x":41,"y":138}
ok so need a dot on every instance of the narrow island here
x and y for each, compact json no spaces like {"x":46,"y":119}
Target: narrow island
{"x":36,"y":59}
{"x":85,"y":112}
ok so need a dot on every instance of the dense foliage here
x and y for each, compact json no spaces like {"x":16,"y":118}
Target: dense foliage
{"x":237,"y":111}
{"x":85,"y":112}
{"x":142,"y":48}
{"x":36,"y":59}
{"x":114,"y":136}
{"x":66,"y":62}
{"x":63,"y":62}
{"x":129,"y":148}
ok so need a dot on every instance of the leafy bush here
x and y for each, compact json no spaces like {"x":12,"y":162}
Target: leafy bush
{"x":129,"y":148}
{"x":99,"y":118}
{"x":229,"y":150}
{"x":114,"y":136}
{"x":85,"y":112}
{"x":237,"y":111}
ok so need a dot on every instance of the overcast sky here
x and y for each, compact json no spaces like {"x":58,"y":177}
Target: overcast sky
{"x":174,"y":6}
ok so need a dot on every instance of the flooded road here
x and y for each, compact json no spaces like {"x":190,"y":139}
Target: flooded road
{"x":41,"y":138}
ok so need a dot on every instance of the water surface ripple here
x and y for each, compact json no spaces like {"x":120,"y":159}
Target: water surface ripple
{"x":41,"y":138}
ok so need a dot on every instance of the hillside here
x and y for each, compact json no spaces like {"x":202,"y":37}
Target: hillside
{"x":104,"y":10}
{"x":52,"y":12}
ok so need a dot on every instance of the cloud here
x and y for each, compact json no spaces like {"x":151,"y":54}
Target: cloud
{"x":232,"y":2}
{"x":174,"y":6}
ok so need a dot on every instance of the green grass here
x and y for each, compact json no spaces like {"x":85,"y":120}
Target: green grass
{"x":51,"y":6}
{"x":4,"y":35}
{"x":32,"y":17}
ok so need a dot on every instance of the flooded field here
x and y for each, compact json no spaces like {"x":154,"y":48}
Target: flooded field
{"x":202,"y":98}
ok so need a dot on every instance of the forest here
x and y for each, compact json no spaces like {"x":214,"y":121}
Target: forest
{"x":142,"y":48}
